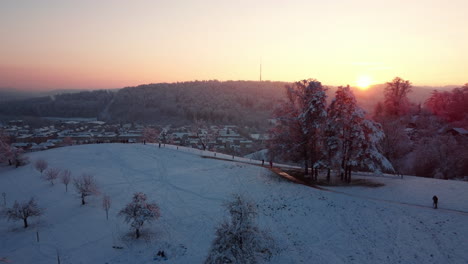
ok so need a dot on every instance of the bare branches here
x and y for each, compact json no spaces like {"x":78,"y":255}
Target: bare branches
{"x":65,"y":178}
{"x":41,"y":165}
{"x":51,"y":175}
{"x":24,"y":210}
{"x":85,"y":185}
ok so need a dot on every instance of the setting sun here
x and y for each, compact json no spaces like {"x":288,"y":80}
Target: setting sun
{"x":364,"y":82}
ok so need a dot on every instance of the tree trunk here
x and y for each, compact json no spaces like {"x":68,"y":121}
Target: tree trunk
{"x":66,"y":187}
{"x":306,"y":168}
{"x":137,"y":233}
{"x":25,"y":221}
{"x":328,"y":175}
{"x":82,"y":200}
{"x":107,"y":214}
{"x":343,"y":173}
{"x":349,"y":174}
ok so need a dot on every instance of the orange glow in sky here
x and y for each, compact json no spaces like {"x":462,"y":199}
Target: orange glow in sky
{"x":55,"y":44}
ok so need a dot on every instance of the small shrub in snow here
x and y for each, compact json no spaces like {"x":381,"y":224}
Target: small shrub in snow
{"x":51,"y":175}
{"x":85,"y":185}
{"x":139,"y":211}
{"x":41,"y":165}
{"x":22,"y":211}
{"x":239,"y":240}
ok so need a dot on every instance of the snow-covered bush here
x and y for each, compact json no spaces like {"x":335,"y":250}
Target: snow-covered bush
{"x":239,"y":240}
{"x":139,"y":211}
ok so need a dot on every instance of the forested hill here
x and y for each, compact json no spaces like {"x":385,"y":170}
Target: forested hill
{"x":230,"y":102}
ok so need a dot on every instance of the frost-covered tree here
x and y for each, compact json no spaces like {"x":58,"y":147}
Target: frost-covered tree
{"x":65,"y":178}
{"x":23,"y":210}
{"x":51,"y":175}
{"x":41,"y":165}
{"x":300,"y":121}
{"x":357,"y":137}
{"x":396,"y":102}
{"x":150,"y":135}
{"x":139,"y":211}
{"x":106,"y":204}
{"x":85,"y":185}
{"x":18,"y":158}
{"x":369,"y":155}
{"x":239,"y":240}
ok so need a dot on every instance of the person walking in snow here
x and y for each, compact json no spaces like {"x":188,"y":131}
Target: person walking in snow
{"x":435,"y":199}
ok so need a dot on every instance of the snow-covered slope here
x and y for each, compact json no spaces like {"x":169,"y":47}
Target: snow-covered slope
{"x":309,"y":225}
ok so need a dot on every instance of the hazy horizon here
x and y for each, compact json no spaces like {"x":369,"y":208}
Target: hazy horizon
{"x":51,"y":44}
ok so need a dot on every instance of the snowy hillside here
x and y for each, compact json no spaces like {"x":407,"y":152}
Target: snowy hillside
{"x":390,"y":224}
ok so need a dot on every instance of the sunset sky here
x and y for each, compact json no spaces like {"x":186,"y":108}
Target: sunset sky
{"x":111,"y":44}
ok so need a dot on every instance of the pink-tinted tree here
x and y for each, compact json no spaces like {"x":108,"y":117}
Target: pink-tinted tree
{"x":139,"y":211}
{"x":51,"y":175}
{"x":23,"y":210}
{"x":150,"y":135}
{"x":67,"y":141}
{"x":65,"y":178}
{"x":18,"y":158}
{"x":396,"y":102}
{"x":85,"y":185}
{"x":41,"y":165}
{"x":451,"y":106}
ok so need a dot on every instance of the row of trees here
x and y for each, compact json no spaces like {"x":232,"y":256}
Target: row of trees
{"x":337,"y":136}
{"x":136,"y":213}
{"x":417,"y":141}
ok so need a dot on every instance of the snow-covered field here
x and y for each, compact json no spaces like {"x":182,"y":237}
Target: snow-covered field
{"x":390,"y":224}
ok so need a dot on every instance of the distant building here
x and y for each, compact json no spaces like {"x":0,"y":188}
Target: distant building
{"x":458,"y":131}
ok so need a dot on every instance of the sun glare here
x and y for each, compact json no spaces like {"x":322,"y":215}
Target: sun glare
{"x":364,"y":82}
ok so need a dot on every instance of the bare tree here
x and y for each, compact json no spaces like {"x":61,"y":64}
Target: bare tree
{"x":396,"y":97}
{"x":24,"y":210}
{"x":106,"y":204}
{"x":139,"y":211}
{"x":65,"y":178}
{"x":85,"y":185}
{"x":51,"y":175}
{"x":41,"y":165}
